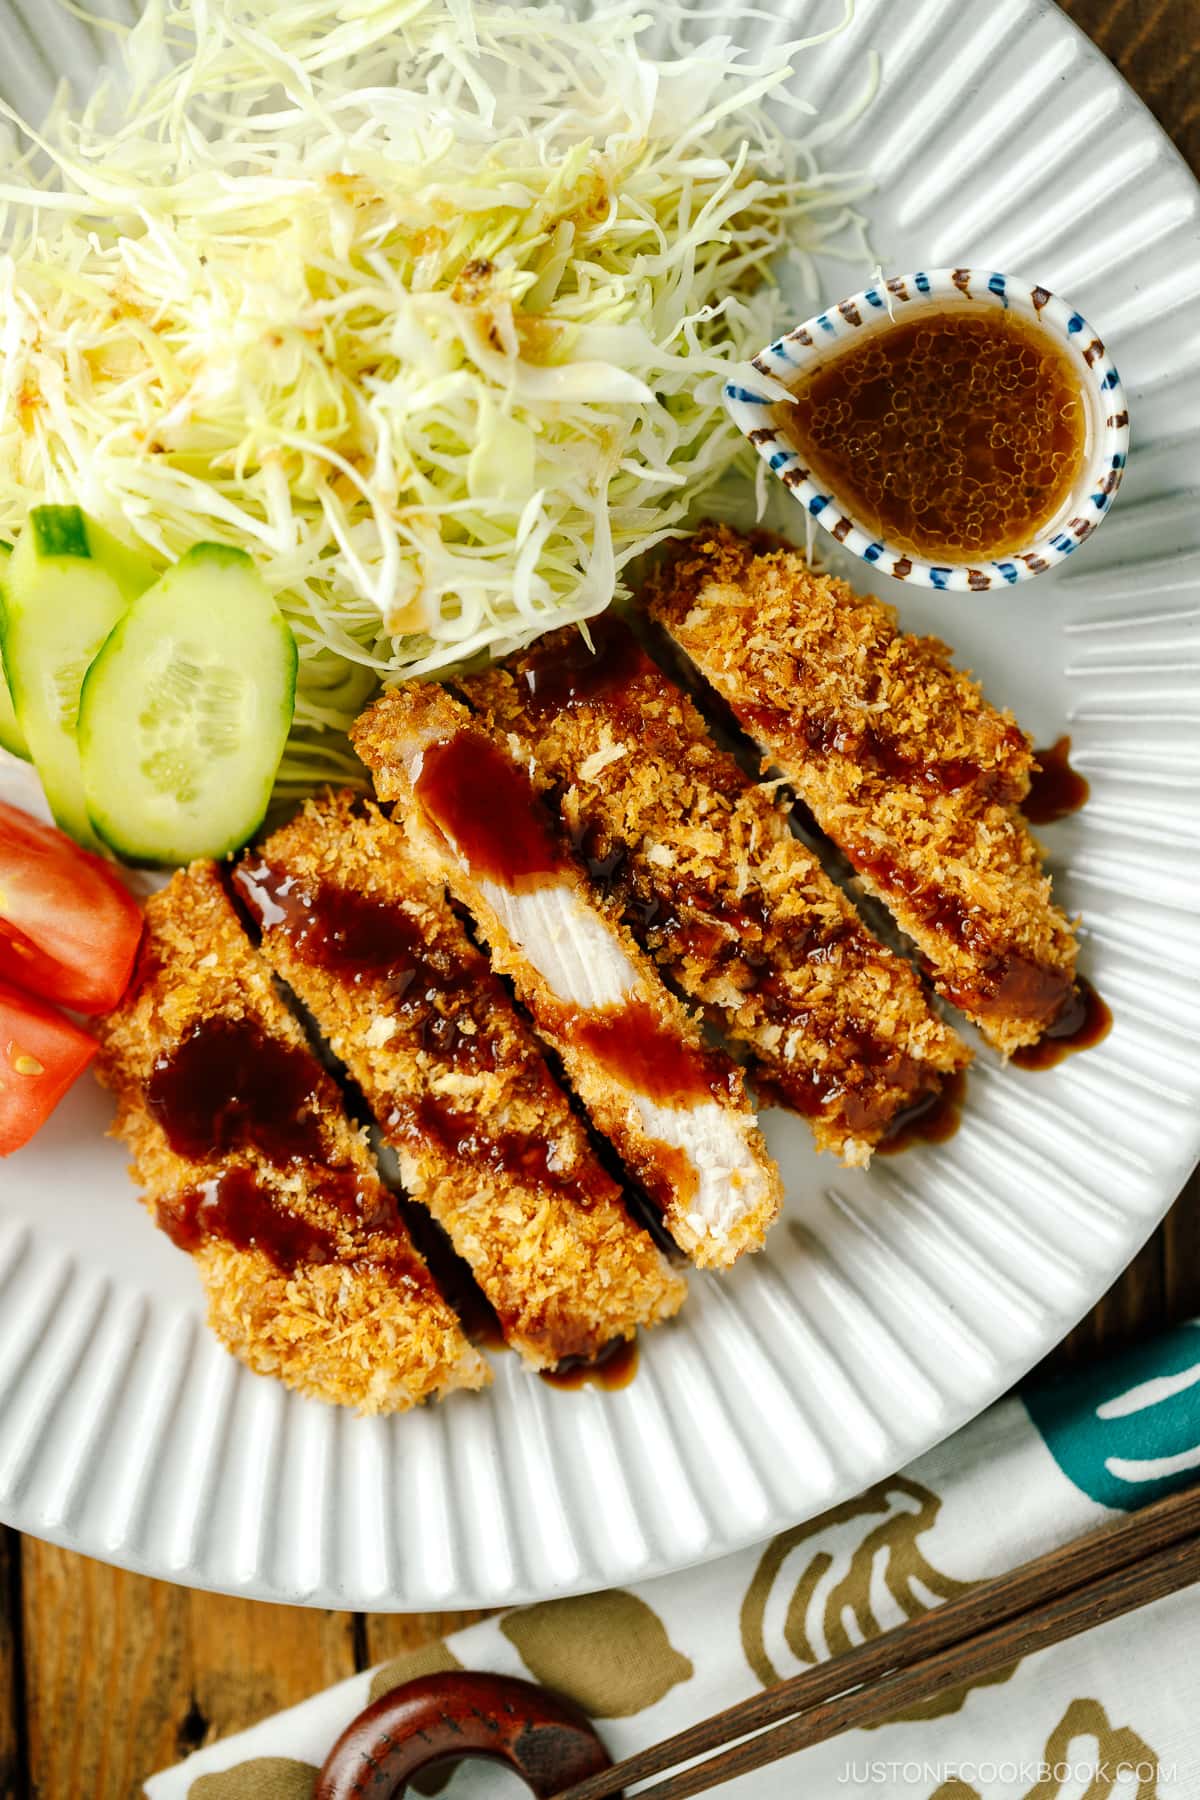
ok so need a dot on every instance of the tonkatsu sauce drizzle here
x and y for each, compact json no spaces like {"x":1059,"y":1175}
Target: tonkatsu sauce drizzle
{"x":880,"y":1090}
{"x":1055,"y":789}
{"x":1011,"y":984}
{"x":490,"y":810}
{"x":1015,"y":986}
{"x":670,"y":916}
{"x":228,"y":1086}
{"x":614,"y":1368}
{"x":361,"y":940}
{"x":354,"y":936}
{"x":576,"y":674}
{"x":526,"y":1156}
{"x":933,"y":1120}
{"x":640,"y":1050}
{"x":875,"y":748}
{"x":240,"y":1210}
{"x":1084,"y":1021}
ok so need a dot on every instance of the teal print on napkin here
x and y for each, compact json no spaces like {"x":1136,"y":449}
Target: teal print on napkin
{"x":1127,"y":1431}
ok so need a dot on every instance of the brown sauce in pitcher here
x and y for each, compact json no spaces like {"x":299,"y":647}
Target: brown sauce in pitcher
{"x":956,"y":435}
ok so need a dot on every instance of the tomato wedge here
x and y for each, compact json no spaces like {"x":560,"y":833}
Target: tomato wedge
{"x":41,"y":1054}
{"x":68,"y":930}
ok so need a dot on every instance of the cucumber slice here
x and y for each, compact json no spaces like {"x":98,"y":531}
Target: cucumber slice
{"x":186,"y":710}
{"x":12,"y":738}
{"x":59,"y":531}
{"x":66,"y":585}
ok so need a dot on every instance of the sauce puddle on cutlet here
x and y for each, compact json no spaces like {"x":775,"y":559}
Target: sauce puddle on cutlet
{"x":527,"y":1156}
{"x":634,"y":1045}
{"x":237,"y":1208}
{"x":229,"y":1087}
{"x":489,"y":810}
{"x":358,"y":939}
{"x":865,"y":1090}
{"x":353,"y":936}
{"x":577,"y":673}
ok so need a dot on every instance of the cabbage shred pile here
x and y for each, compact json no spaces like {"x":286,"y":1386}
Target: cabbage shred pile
{"x":424,"y":303}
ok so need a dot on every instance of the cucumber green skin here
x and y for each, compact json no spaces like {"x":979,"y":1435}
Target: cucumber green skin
{"x":66,"y":531}
{"x":59,"y":531}
{"x":107,"y":714}
{"x":12,"y":738}
{"x":65,"y":564}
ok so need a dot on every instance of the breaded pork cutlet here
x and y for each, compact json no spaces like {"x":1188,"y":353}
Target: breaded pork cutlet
{"x":901,"y":761}
{"x":702,"y":866}
{"x":456,"y":1080}
{"x":246,"y":1158}
{"x":677,"y":1113}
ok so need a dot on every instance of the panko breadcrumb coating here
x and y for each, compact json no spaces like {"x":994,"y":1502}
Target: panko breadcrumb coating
{"x":366,"y":1327}
{"x":702,"y":866}
{"x":456,"y":1080}
{"x":676,"y":1112}
{"x":901,"y":761}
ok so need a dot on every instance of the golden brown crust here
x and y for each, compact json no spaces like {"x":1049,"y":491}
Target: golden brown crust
{"x":485,"y":1135}
{"x":702,"y":865}
{"x":368,"y":1329}
{"x":392,"y":737}
{"x":902,"y":762}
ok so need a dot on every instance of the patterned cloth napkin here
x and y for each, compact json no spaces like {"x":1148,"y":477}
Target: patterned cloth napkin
{"x":1112,"y":1715}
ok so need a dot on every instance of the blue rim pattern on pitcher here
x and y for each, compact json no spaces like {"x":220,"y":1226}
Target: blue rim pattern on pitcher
{"x":749,"y":405}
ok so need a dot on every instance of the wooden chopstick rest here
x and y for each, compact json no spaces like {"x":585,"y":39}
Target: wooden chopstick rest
{"x":548,"y":1741}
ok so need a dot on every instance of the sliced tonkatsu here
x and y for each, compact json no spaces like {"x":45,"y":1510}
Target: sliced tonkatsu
{"x":676,"y":1112}
{"x":901,"y":761}
{"x":456,"y":1080}
{"x":702,"y":866}
{"x":246,"y":1158}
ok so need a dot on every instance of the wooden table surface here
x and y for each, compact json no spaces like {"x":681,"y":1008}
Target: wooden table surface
{"x":105,"y":1677}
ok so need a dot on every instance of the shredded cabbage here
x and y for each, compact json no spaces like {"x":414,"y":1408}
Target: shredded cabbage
{"x":424,"y":303}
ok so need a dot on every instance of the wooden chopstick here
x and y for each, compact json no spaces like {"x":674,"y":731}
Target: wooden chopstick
{"x":1080,"y":1585}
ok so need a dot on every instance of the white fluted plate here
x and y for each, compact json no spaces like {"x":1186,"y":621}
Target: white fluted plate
{"x":888,"y":1307}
